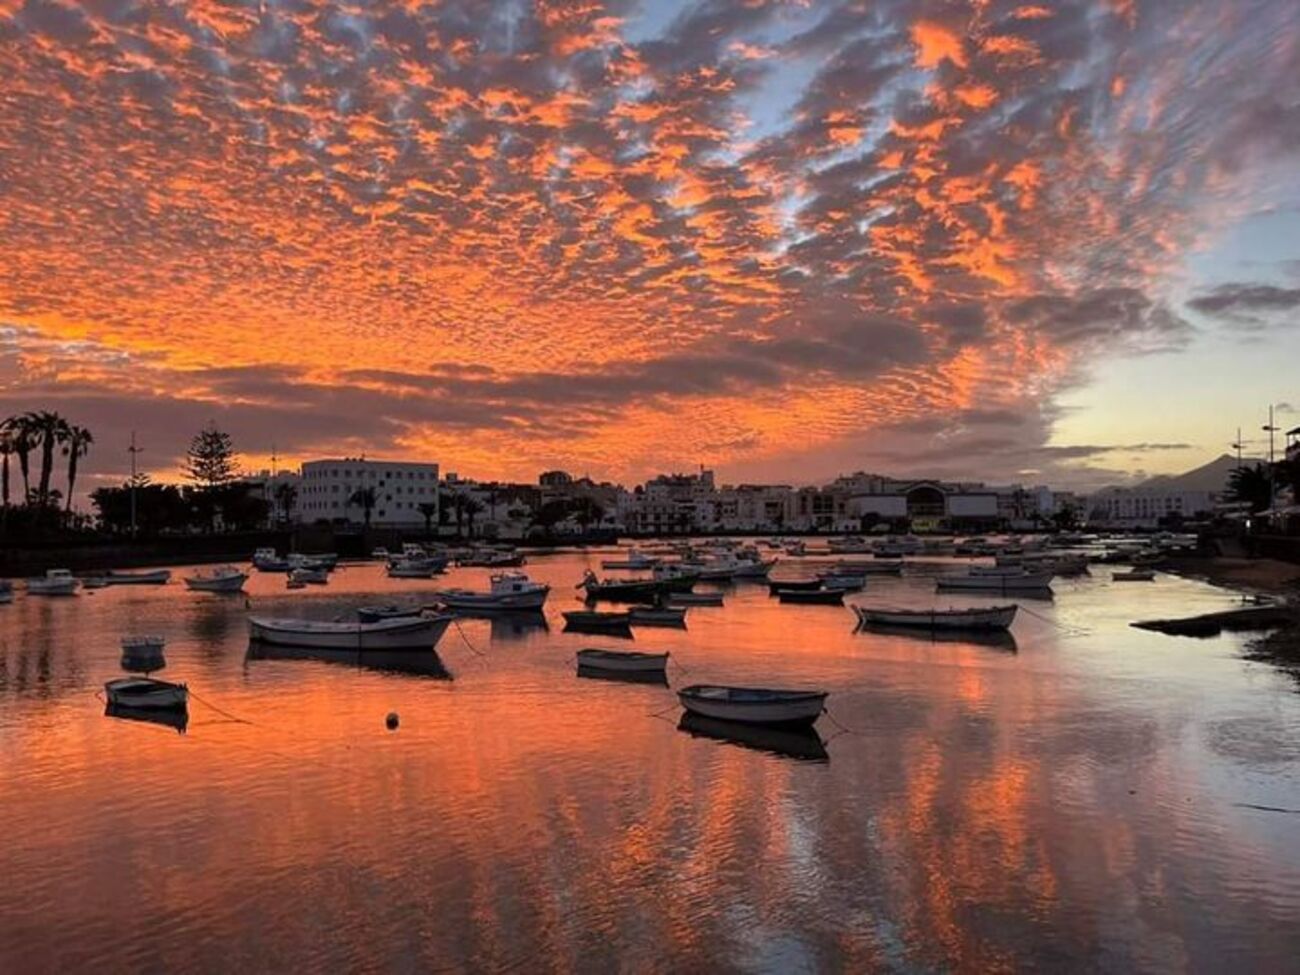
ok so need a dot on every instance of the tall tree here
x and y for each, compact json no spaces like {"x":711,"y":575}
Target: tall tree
{"x":472,"y":506}
{"x":286,"y":493}
{"x":428,"y":509}
{"x":6,"y":448}
{"x":77,"y":446}
{"x":22,"y":433}
{"x":52,"y":431}
{"x":1251,"y":485}
{"x":365,"y":499}
{"x":210,"y":461}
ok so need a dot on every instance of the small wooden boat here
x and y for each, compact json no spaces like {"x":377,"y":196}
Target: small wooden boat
{"x":6,"y":591}
{"x":55,"y":582}
{"x":657,"y":616}
{"x":142,"y":646}
{"x":1037,"y":581}
{"x":413,"y":569}
{"x":309,"y":576}
{"x":421,"y":633}
{"x":152,"y":577}
{"x":1133,"y":575}
{"x":843,"y":581}
{"x":224,"y":578}
{"x":636,"y":559}
{"x":790,"y":585}
{"x":753,"y":705}
{"x":862,"y":567}
{"x":623,"y":662}
{"x":373,"y":614}
{"x":146,"y":692}
{"x":508,"y":591}
{"x":591,"y":620}
{"x":694,"y":599}
{"x":753,"y":568}
{"x":982,"y":618}
{"x":817,"y":597}
{"x":633,"y":590}
{"x":267,"y":560}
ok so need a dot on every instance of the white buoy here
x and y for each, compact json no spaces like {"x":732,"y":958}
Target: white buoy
{"x":391,"y":721}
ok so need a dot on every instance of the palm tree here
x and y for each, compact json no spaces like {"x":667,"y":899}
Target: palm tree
{"x":78,"y":445}
{"x":1251,"y":485}
{"x":286,"y":493}
{"x":428,"y":509}
{"x":458,"y":502}
{"x":22,"y":436}
{"x":472,"y":507}
{"x":365,"y":497}
{"x":52,"y":430}
{"x":6,"y":448}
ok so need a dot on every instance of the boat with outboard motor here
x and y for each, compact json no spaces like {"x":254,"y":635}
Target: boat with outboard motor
{"x":507,"y":591}
{"x":55,"y":582}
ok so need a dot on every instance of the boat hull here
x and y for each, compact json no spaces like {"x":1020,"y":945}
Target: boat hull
{"x":227,"y":584}
{"x":623,"y":663}
{"x":991,"y":619}
{"x":814,"y":597}
{"x":146,"y":694}
{"x":485,"y":602}
{"x":1036,"y":582}
{"x":754,"y":705}
{"x":400,"y":634}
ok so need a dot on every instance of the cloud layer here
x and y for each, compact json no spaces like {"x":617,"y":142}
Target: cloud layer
{"x":512,"y":236}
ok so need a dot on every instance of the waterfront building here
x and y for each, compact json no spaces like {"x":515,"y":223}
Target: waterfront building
{"x":328,"y":488}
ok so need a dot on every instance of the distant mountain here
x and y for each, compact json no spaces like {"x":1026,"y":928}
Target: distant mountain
{"x":1208,"y":477}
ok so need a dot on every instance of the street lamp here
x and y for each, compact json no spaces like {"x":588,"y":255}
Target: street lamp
{"x":1270,"y":429}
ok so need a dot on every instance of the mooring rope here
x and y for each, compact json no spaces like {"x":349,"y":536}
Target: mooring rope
{"x":459,"y":629}
{"x":1068,"y":630}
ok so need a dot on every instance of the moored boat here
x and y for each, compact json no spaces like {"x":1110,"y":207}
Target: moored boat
{"x":694,"y":599}
{"x":151,"y":577}
{"x":633,"y":590}
{"x":267,"y":560}
{"x":591,"y":620}
{"x":309,"y":576}
{"x":843,"y":581}
{"x":421,"y":633}
{"x":623,"y":662}
{"x":869,"y":566}
{"x":980,"y":618}
{"x":413,"y":569}
{"x":753,"y":705}
{"x":373,"y":614}
{"x":508,"y":591}
{"x":6,"y":591}
{"x":790,"y":585}
{"x":657,"y":616}
{"x":635,"y":559}
{"x":817,"y":597}
{"x":55,"y":582}
{"x":1133,"y":575}
{"x":223,"y":578}
{"x":146,"y":693}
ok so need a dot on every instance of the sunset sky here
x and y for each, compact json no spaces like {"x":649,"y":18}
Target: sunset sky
{"x":1053,"y":242}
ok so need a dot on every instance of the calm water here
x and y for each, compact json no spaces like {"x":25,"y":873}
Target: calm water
{"x":1081,"y":800}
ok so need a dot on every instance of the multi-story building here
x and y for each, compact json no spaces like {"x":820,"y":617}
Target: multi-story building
{"x":1145,"y":507}
{"x":330,"y":490}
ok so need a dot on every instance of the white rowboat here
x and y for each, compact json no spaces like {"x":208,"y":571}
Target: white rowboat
{"x":753,"y":705}
{"x":624,"y":663}
{"x":55,"y":582}
{"x":985,"y":618}
{"x":395,"y":634}
{"x":1024,"y":581}
{"x":224,"y":578}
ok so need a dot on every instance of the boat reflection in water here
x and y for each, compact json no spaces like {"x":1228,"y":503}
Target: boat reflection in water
{"x":803,"y":744}
{"x":509,"y":624}
{"x":416,"y":663}
{"x":657,"y":677}
{"x":178,"y":718}
{"x":993,"y":639}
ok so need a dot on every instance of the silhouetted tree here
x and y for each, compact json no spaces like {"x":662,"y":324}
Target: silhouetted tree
{"x":428,"y":509}
{"x":286,"y":493}
{"x":365,"y":499}
{"x":76,"y":447}
{"x":472,"y":506}
{"x":1250,"y":485}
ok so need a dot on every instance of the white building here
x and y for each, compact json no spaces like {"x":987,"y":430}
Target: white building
{"x":400,"y":488}
{"x":1144,"y":507}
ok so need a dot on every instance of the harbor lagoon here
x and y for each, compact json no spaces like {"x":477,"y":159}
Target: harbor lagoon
{"x":1083,"y":795}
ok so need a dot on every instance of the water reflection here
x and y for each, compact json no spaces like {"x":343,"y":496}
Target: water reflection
{"x":992,"y":639}
{"x":624,"y":677}
{"x":415,"y":663}
{"x":804,"y":744}
{"x":178,"y":719}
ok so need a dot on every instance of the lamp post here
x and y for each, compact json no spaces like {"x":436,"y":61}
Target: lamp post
{"x":1270,"y":429}
{"x":133,"y":450}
